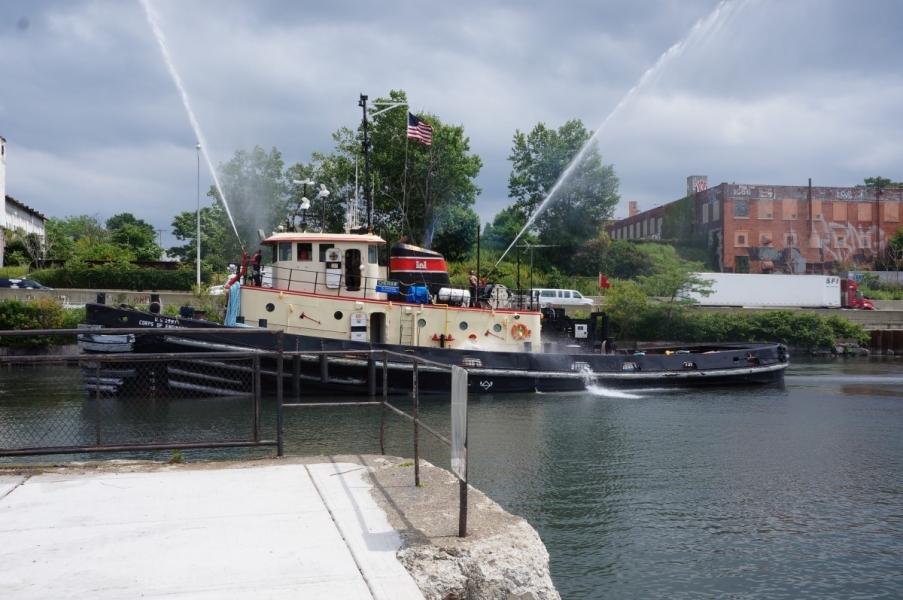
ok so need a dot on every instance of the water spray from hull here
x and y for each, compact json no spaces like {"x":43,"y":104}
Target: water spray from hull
{"x":161,"y":41}
{"x":703,"y":28}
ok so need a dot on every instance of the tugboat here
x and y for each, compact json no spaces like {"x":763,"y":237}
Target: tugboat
{"x":328,"y":292}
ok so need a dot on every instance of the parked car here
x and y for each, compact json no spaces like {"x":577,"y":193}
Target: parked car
{"x":23,"y":284}
{"x":546,"y":297}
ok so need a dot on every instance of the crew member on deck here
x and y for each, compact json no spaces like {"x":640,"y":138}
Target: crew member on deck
{"x":255,"y":266}
{"x":473,"y":288}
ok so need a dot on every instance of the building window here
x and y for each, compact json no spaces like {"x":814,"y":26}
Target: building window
{"x":766,"y":209}
{"x":789,"y":211}
{"x":741,"y":209}
{"x":705,"y":213}
{"x":840,"y":241}
{"x":816,"y":210}
{"x":741,"y":239}
{"x":892,"y":212}
{"x":765,"y":238}
{"x":864,"y":211}
{"x":716,"y":211}
{"x":839,"y":212}
{"x":791,"y":239}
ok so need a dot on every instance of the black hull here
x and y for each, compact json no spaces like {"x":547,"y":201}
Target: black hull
{"x":489,"y":372}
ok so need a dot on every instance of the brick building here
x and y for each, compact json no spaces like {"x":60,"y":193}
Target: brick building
{"x":769,"y":228}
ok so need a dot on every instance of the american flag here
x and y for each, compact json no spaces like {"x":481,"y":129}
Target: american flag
{"x":419,"y":130}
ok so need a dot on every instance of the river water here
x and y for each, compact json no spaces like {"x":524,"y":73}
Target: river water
{"x":789,"y":491}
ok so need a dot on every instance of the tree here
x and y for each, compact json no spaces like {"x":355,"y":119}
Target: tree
{"x":499,"y":234}
{"x":215,"y":230}
{"x":416,"y":187}
{"x":590,"y":257}
{"x":66,"y":236}
{"x":24,"y":248}
{"x":455,"y":235}
{"x":882,"y":183}
{"x":627,"y":260}
{"x":586,"y":194}
{"x":256,"y":198}
{"x":137,"y":235}
{"x":625,"y":302}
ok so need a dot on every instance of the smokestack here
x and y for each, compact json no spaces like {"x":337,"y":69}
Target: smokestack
{"x":632,"y":208}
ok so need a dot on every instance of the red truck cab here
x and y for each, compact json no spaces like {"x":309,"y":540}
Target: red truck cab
{"x":851,"y":297}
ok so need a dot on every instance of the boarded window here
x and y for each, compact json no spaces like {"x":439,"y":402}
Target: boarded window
{"x":839,"y":212}
{"x":740,"y":239}
{"x":864,"y":211}
{"x":789,"y":210}
{"x":716,"y":211}
{"x":765,"y":238}
{"x":816,"y":210}
{"x":766,"y":209}
{"x":705,"y":213}
{"x":892,"y":212}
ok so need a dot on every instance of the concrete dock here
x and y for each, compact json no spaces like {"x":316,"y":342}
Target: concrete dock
{"x":326,"y":527}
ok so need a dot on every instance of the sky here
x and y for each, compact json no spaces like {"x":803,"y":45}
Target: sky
{"x":746,"y":91}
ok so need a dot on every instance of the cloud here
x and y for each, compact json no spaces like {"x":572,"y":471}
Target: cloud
{"x":761,"y":91}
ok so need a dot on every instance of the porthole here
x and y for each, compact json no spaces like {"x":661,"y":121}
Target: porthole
{"x":271,"y":307}
{"x":463,"y":325}
{"x":421,"y":323}
{"x":496,"y":328}
{"x":337,"y":315}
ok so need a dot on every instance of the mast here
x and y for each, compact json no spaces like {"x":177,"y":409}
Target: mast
{"x":365,"y":146}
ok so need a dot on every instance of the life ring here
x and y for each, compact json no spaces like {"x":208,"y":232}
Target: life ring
{"x":519,"y":331}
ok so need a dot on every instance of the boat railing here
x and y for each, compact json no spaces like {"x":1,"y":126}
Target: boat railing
{"x":341,"y":284}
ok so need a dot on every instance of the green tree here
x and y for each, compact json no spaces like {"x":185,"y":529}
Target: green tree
{"x":417,"y":187}
{"x":333,"y":173}
{"x":135,"y":234}
{"x":625,"y":302}
{"x":882,"y":183}
{"x":590,"y":257}
{"x":586,"y":195}
{"x":256,"y":197}
{"x":215,"y":230}
{"x":455,"y":236}
{"x":66,"y":236}
{"x":505,"y":226}
{"x":627,"y":260}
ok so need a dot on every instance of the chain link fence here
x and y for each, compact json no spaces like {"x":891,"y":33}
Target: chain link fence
{"x":108,"y":402}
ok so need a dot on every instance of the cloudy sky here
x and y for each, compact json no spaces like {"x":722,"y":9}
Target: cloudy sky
{"x":747,"y":91}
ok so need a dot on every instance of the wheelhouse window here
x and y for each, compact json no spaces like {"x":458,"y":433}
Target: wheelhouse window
{"x":285,"y":251}
{"x":372,"y":254}
{"x":323,"y":249}
{"x":305,"y":252}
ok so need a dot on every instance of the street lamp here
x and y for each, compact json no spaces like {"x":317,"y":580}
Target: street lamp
{"x":198,"y":239}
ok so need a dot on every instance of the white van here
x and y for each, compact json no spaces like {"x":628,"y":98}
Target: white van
{"x":546,"y":297}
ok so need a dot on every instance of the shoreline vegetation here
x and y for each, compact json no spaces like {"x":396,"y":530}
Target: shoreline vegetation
{"x":642,"y":322}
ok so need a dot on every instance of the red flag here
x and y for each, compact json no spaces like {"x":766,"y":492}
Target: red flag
{"x":603,"y":283}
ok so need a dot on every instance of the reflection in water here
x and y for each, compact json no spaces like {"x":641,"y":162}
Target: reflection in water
{"x":788,"y":491}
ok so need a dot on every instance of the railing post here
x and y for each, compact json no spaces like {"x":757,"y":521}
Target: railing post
{"x":256,"y":396}
{"x":296,"y":375}
{"x":416,"y":386}
{"x":382,"y":424}
{"x":280,"y":345}
{"x":371,"y":375}
{"x":97,"y":405}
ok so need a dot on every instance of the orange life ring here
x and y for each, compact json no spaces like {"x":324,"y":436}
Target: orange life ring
{"x":519,"y":331}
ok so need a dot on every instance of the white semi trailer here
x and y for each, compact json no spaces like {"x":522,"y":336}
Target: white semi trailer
{"x":780,"y":291}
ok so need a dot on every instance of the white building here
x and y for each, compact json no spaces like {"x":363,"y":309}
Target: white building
{"x":16,"y":215}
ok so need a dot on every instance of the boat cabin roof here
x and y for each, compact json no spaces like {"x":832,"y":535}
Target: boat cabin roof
{"x":335,"y":238}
